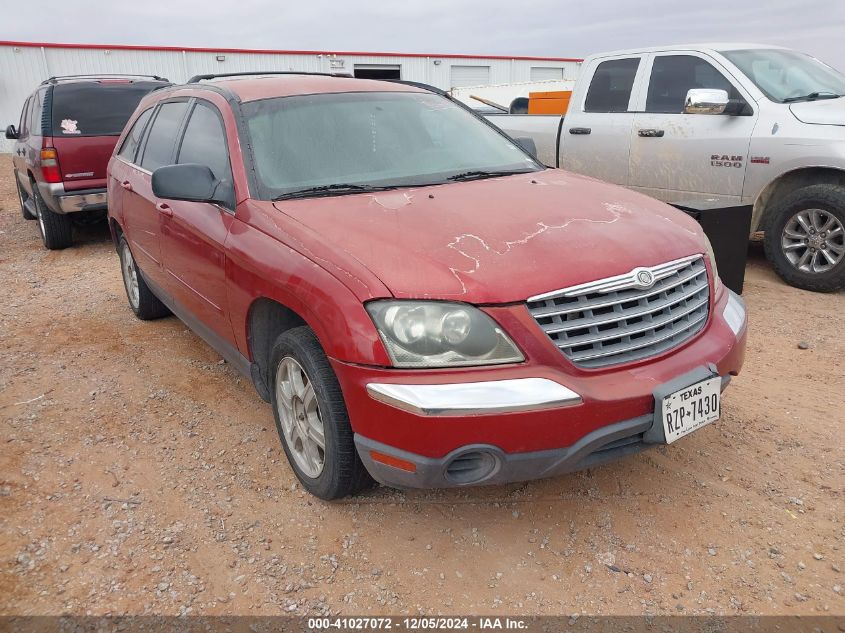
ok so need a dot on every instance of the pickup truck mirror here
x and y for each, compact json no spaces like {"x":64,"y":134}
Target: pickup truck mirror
{"x":11,"y":133}
{"x":191,"y":182}
{"x":528,"y":145}
{"x":705,"y":101}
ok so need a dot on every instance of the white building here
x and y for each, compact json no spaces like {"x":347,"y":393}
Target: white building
{"x":23,"y":65}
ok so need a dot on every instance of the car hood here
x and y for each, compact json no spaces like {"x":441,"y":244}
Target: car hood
{"x":822,"y":112}
{"x":498,"y":240}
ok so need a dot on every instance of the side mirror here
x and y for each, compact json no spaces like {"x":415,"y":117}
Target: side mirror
{"x":11,"y":133}
{"x":706,"y":101}
{"x":191,"y":182}
{"x":527,"y":144}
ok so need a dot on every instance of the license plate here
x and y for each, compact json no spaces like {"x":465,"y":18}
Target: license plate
{"x":690,"y":408}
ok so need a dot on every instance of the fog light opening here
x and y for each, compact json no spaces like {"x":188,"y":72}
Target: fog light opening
{"x":471,"y":467}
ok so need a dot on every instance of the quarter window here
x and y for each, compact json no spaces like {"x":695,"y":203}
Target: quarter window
{"x":35,"y":108}
{"x":158,"y":150}
{"x":204,"y":142}
{"x":133,"y":139}
{"x":23,"y":125}
{"x":610,"y":89}
{"x":672,"y":76}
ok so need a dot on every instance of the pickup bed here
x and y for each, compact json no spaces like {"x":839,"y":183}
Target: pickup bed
{"x":748,"y":124}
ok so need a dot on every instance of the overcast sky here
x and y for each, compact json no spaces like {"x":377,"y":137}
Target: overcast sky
{"x":491,"y":27}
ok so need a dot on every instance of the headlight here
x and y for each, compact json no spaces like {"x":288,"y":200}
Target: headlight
{"x":440,"y":334}
{"x":717,"y":283}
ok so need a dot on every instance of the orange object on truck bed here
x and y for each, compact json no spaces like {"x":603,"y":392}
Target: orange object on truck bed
{"x":554,"y":102}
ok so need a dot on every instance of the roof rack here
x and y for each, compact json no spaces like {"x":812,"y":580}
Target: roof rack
{"x":198,"y":78}
{"x":58,"y":78}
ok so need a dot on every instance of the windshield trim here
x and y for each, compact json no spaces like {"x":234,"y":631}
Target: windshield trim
{"x":269,"y":194}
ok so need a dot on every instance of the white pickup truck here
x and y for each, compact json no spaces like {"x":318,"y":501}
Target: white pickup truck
{"x":746,"y":124}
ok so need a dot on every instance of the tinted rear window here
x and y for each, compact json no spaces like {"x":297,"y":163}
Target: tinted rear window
{"x":94,"y":108}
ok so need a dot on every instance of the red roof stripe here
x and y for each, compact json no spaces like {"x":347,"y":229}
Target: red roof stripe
{"x":195,"y":49}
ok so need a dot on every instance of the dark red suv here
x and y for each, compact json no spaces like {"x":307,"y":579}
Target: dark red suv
{"x":67,"y":131}
{"x":418,"y":297}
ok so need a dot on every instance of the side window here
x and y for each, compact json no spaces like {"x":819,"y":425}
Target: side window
{"x":610,"y":89}
{"x":35,"y":113}
{"x":158,"y":150}
{"x":23,"y":125}
{"x":672,"y":76}
{"x":133,"y":139}
{"x":205,"y":142}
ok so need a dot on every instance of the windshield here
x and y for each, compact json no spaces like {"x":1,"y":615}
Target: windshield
{"x":377,"y":139}
{"x":788,"y":76}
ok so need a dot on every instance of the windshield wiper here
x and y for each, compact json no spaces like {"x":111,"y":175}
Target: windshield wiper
{"x":338,"y":189}
{"x":813,"y":96}
{"x":478,"y":174}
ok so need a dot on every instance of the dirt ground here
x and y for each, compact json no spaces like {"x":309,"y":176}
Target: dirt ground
{"x":139,"y":474}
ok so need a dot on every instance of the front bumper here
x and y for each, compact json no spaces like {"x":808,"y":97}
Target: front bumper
{"x":485,"y":464}
{"x":436,"y":428}
{"x":60,"y":201}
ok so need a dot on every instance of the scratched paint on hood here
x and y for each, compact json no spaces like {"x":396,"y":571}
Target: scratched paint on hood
{"x":499,"y":240}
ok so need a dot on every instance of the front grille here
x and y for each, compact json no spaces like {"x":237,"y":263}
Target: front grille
{"x":621,"y":319}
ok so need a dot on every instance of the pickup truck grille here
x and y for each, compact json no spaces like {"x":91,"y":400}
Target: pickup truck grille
{"x":627,"y":317}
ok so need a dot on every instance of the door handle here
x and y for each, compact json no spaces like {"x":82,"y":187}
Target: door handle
{"x":165,"y":209}
{"x":579,"y":130}
{"x":650,"y":133}
{"x":126,"y":185}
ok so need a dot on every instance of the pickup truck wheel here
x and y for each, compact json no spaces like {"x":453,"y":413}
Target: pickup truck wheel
{"x":55,"y":228}
{"x":143,"y":302}
{"x":23,"y":198}
{"x":311,"y":418}
{"x":805,"y":238}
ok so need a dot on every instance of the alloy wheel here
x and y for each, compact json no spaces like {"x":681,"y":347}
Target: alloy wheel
{"x":813,"y":241}
{"x":299,"y":413}
{"x":130,"y":275}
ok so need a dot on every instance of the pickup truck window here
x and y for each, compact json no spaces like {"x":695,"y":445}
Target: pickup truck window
{"x":785,"y":76}
{"x":672,"y":76}
{"x":610,"y":89}
{"x":379,"y":139}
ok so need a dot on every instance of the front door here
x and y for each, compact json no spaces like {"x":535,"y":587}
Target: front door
{"x":194,"y":233}
{"x":142,"y":216}
{"x":683,"y":158}
{"x":596,"y":132}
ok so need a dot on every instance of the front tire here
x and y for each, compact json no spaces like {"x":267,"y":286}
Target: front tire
{"x":311,"y":418}
{"x":55,"y":228}
{"x":22,"y":198}
{"x":143,"y":302}
{"x":805,"y":238}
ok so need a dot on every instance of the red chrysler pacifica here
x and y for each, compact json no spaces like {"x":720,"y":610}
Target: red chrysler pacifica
{"x":421,"y":301}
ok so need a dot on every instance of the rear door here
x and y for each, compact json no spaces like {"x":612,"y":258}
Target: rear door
{"x":87,"y":119}
{"x":193,"y":233}
{"x":596,"y":134}
{"x":142,"y":216}
{"x":679,"y":157}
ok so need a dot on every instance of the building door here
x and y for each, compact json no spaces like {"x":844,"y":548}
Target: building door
{"x":469,"y":76}
{"x":378,"y":71}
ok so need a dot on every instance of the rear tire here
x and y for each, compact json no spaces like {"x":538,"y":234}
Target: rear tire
{"x":22,"y":198}
{"x":309,"y":410}
{"x":805,"y":238}
{"x":143,"y":302}
{"x":55,"y":228}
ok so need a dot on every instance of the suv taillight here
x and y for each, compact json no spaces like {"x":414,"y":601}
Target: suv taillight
{"x":50,"y":165}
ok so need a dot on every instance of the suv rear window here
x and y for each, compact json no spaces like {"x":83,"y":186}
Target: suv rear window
{"x":89,"y":108}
